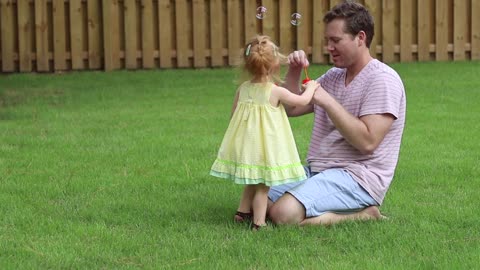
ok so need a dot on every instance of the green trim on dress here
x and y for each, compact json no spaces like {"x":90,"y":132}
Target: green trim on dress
{"x":247,"y":181}
{"x":268,"y":168}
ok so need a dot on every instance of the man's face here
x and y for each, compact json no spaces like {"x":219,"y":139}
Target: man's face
{"x":343,"y":47}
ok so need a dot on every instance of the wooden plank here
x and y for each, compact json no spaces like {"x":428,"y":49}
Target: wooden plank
{"x":199,"y":43}
{"x":333,"y":3}
{"x":147,"y":34}
{"x":475,"y":49}
{"x":59,"y":36}
{"x":304,"y":30}
{"x":7,"y":23}
{"x":250,"y":19}
{"x":130,"y":34}
{"x":388,"y":25}
{"x":318,"y":53}
{"x":115,"y":35}
{"x":441,"y":30}
{"x":374,"y":6}
{"x":459,"y":29}
{"x":285,"y":40}
{"x":76,"y":34}
{"x":406,"y":29}
{"x":182,"y":34}
{"x":217,"y":32}
{"x":111,"y":34}
{"x":423,"y":31}
{"x":396,"y":31}
{"x":234,"y":46}
{"x":165,"y":33}
{"x":269,"y":21}
{"x":107,"y":32}
{"x":41,"y":35}
{"x":25,"y":25}
{"x":94,"y":34}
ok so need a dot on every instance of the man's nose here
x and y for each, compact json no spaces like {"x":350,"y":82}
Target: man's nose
{"x":330,"y":46}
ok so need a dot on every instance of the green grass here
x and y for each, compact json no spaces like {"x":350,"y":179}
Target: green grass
{"x":110,"y":170}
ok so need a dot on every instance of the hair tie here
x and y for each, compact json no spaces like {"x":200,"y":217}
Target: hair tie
{"x":247,"y":51}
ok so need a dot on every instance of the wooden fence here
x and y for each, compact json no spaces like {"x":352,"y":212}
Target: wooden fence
{"x":57,"y":35}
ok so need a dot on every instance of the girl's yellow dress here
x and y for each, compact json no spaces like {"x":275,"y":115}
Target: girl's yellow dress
{"x":258,"y":146}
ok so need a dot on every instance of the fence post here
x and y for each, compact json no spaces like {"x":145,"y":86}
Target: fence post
{"x":475,"y":30}
{"x":25,"y":26}
{"x":41,"y":35}
{"x":6,"y":17}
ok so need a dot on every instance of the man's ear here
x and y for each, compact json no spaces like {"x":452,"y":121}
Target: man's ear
{"x":362,"y":38}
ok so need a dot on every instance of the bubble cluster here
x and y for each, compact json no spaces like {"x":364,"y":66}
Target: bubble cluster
{"x":296,"y":19}
{"x":261,"y":12}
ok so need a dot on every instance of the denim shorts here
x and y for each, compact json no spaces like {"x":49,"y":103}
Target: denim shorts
{"x":332,"y":190}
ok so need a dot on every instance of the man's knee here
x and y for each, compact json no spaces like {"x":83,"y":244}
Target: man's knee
{"x":287,"y":210}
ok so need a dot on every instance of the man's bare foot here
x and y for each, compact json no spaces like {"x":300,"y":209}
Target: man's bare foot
{"x":371,"y":212}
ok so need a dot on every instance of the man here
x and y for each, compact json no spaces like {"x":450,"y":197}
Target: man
{"x":359,"y":119}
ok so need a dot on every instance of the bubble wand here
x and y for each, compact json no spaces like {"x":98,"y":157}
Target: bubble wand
{"x":307,"y":79}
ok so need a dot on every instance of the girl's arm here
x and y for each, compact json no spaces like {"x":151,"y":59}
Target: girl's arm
{"x":284,"y":96}
{"x":297,"y":62}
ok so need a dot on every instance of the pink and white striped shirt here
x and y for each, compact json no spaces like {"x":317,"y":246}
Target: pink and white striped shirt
{"x":377,"y":89}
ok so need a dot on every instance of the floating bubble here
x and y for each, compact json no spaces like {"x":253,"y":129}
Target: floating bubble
{"x":296,"y":19}
{"x":261,"y":12}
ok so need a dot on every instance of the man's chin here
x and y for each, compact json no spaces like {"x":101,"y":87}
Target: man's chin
{"x":338,"y":65}
{"x":336,"y":62}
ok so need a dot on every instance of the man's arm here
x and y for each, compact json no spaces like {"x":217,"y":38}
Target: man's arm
{"x":364,"y":133}
{"x":296,"y":60}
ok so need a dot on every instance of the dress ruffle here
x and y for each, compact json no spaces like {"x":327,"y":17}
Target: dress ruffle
{"x":255,"y":174}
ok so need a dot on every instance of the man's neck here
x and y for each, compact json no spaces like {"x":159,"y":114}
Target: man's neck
{"x":353,"y":71}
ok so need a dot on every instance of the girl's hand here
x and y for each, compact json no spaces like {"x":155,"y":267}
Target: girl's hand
{"x":311,"y":84}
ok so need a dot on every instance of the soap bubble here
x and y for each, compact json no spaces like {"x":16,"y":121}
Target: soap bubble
{"x":296,"y":19}
{"x":261,"y":12}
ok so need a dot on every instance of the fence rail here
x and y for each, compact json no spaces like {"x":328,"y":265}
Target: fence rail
{"x":58,"y":35}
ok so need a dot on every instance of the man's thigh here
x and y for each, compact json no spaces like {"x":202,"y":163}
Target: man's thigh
{"x":332,"y":190}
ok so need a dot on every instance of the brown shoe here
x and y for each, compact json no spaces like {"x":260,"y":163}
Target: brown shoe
{"x":255,"y":227}
{"x":241,"y":217}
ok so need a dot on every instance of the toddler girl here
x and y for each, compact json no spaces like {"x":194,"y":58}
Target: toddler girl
{"x":258,"y":149}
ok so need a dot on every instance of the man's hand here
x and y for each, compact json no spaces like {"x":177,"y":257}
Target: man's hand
{"x":298,"y":59}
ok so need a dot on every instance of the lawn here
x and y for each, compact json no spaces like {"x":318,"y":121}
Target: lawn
{"x":110,"y":171}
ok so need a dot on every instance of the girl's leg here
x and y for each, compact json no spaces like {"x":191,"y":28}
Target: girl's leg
{"x":244,"y":211}
{"x":260,"y":201}
{"x":245,"y":205}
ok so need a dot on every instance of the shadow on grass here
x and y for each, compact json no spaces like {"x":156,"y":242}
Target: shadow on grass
{"x":14,"y":97}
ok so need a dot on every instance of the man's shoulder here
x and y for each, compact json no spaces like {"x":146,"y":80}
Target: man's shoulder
{"x":333,"y":73}
{"x":378,"y":67}
{"x":382,"y":77}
